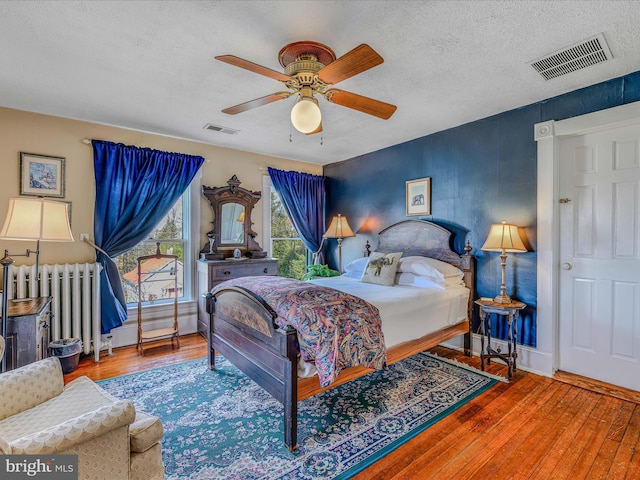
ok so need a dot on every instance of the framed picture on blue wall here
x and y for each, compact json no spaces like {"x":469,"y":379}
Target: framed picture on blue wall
{"x":41,"y":175}
{"x":418,"y":194}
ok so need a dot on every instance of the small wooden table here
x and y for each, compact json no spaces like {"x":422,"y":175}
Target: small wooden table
{"x":509,"y":310}
{"x":27,"y":335}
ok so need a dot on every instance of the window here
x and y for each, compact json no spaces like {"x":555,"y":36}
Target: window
{"x":172,"y":233}
{"x":284,"y":242}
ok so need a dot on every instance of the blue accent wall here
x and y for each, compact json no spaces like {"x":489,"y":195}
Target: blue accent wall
{"x":481,"y":173}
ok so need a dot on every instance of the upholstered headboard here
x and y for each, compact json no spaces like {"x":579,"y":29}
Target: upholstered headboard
{"x":418,"y":237}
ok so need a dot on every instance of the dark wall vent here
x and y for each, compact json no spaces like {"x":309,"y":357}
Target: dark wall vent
{"x":575,"y":57}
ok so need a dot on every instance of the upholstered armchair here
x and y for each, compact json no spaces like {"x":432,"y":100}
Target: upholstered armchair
{"x":39,"y":415}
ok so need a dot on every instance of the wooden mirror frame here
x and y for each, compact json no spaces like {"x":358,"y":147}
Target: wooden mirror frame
{"x":219,"y":196}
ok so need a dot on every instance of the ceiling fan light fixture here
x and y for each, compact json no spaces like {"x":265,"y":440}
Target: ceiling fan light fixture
{"x":311,"y":68}
{"x":305,"y":115}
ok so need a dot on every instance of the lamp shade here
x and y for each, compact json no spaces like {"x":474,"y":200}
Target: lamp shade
{"x":37,"y":219}
{"x":339,"y":228}
{"x":503,"y":237}
{"x":305,"y":115}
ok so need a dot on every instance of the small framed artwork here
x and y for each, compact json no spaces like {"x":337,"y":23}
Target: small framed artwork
{"x":41,"y":175}
{"x":419,"y":196}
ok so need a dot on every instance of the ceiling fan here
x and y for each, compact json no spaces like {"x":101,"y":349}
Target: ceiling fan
{"x":311,"y":68}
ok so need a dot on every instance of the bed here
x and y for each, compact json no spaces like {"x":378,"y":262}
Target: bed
{"x":243,"y":325}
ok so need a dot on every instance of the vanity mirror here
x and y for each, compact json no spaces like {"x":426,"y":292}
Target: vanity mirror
{"x":232,"y":206}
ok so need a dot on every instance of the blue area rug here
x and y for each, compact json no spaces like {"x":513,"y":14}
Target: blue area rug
{"x":221,"y":425}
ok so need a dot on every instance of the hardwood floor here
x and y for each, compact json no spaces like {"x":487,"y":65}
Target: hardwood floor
{"x":531,"y":428}
{"x":127,"y":360}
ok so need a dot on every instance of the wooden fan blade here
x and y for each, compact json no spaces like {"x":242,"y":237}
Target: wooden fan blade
{"x":253,"y":67}
{"x":363,"y":104}
{"x":258,"y":102}
{"x":361,"y":58}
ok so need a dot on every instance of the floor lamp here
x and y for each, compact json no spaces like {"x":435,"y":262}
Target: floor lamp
{"x":31,"y":219}
{"x":503,"y":238}
{"x":339,"y":228}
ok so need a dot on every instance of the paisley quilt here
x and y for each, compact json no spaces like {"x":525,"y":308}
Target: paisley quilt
{"x":336,"y":330}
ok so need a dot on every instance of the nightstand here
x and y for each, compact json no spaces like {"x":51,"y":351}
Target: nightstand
{"x":27,"y":333}
{"x":510,"y":311}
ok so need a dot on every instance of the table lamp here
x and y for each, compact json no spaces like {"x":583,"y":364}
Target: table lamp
{"x":31,"y":219}
{"x":339,"y":228}
{"x":503,"y":238}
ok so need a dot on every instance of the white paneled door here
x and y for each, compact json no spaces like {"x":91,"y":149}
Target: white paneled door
{"x":600,"y":256}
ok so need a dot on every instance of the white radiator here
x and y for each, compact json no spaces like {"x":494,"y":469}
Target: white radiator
{"x":75,"y":305}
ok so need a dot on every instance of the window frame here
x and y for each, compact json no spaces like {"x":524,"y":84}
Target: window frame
{"x":267,"y":186}
{"x":191,"y":238}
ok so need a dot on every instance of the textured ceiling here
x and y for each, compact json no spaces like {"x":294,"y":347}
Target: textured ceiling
{"x":149,"y":65}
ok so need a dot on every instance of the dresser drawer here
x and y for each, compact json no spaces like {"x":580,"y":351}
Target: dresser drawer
{"x":226,"y":272}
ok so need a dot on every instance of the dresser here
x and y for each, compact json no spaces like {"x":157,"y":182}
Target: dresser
{"x":212,"y":272}
{"x":27,"y":338}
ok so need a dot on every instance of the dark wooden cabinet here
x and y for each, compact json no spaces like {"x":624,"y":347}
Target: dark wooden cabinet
{"x":212,"y":272}
{"x":27,"y":338}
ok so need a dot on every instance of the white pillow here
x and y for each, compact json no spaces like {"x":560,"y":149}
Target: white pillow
{"x":413,"y":280}
{"x":420,"y":266}
{"x":454,"y":281}
{"x":355,"y":269}
{"x":381,"y":268}
{"x":429,"y":267}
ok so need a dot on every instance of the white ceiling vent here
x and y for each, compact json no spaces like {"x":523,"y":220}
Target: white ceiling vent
{"x":217,"y":128}
{"x":575,"y":57}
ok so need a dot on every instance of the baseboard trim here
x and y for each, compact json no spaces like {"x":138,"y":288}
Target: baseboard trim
{"x":598,"y":386}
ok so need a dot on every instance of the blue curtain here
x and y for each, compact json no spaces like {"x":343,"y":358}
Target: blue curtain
{"x":302,"y":196}
{"x":135,"y":189}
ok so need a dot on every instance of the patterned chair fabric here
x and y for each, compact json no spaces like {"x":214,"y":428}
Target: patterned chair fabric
{"x":39,"y":415}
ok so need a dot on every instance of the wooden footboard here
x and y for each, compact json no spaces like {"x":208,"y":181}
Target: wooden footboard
{"x":243,"y":330}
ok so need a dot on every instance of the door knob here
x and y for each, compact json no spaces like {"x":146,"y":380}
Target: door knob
{"x":567,"y":266}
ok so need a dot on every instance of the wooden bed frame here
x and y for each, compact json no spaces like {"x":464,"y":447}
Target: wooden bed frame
{"x":244,"y":331}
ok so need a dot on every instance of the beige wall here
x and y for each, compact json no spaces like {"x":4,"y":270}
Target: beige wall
{"x":47,"y":135}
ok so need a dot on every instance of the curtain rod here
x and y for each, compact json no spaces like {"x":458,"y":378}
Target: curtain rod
{"x":87,"y":141}
{"x":266,"y":169}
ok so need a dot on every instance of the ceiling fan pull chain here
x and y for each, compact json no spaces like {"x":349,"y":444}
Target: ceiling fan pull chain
{"x":290,"y":134}
{"x":321,"y":139}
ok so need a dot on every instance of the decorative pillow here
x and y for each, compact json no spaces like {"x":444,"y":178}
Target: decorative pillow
{"x":413,"y":280}
{"x":429,"y":267}
{"x":381,"y":268}
{"x":355,"y":269}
